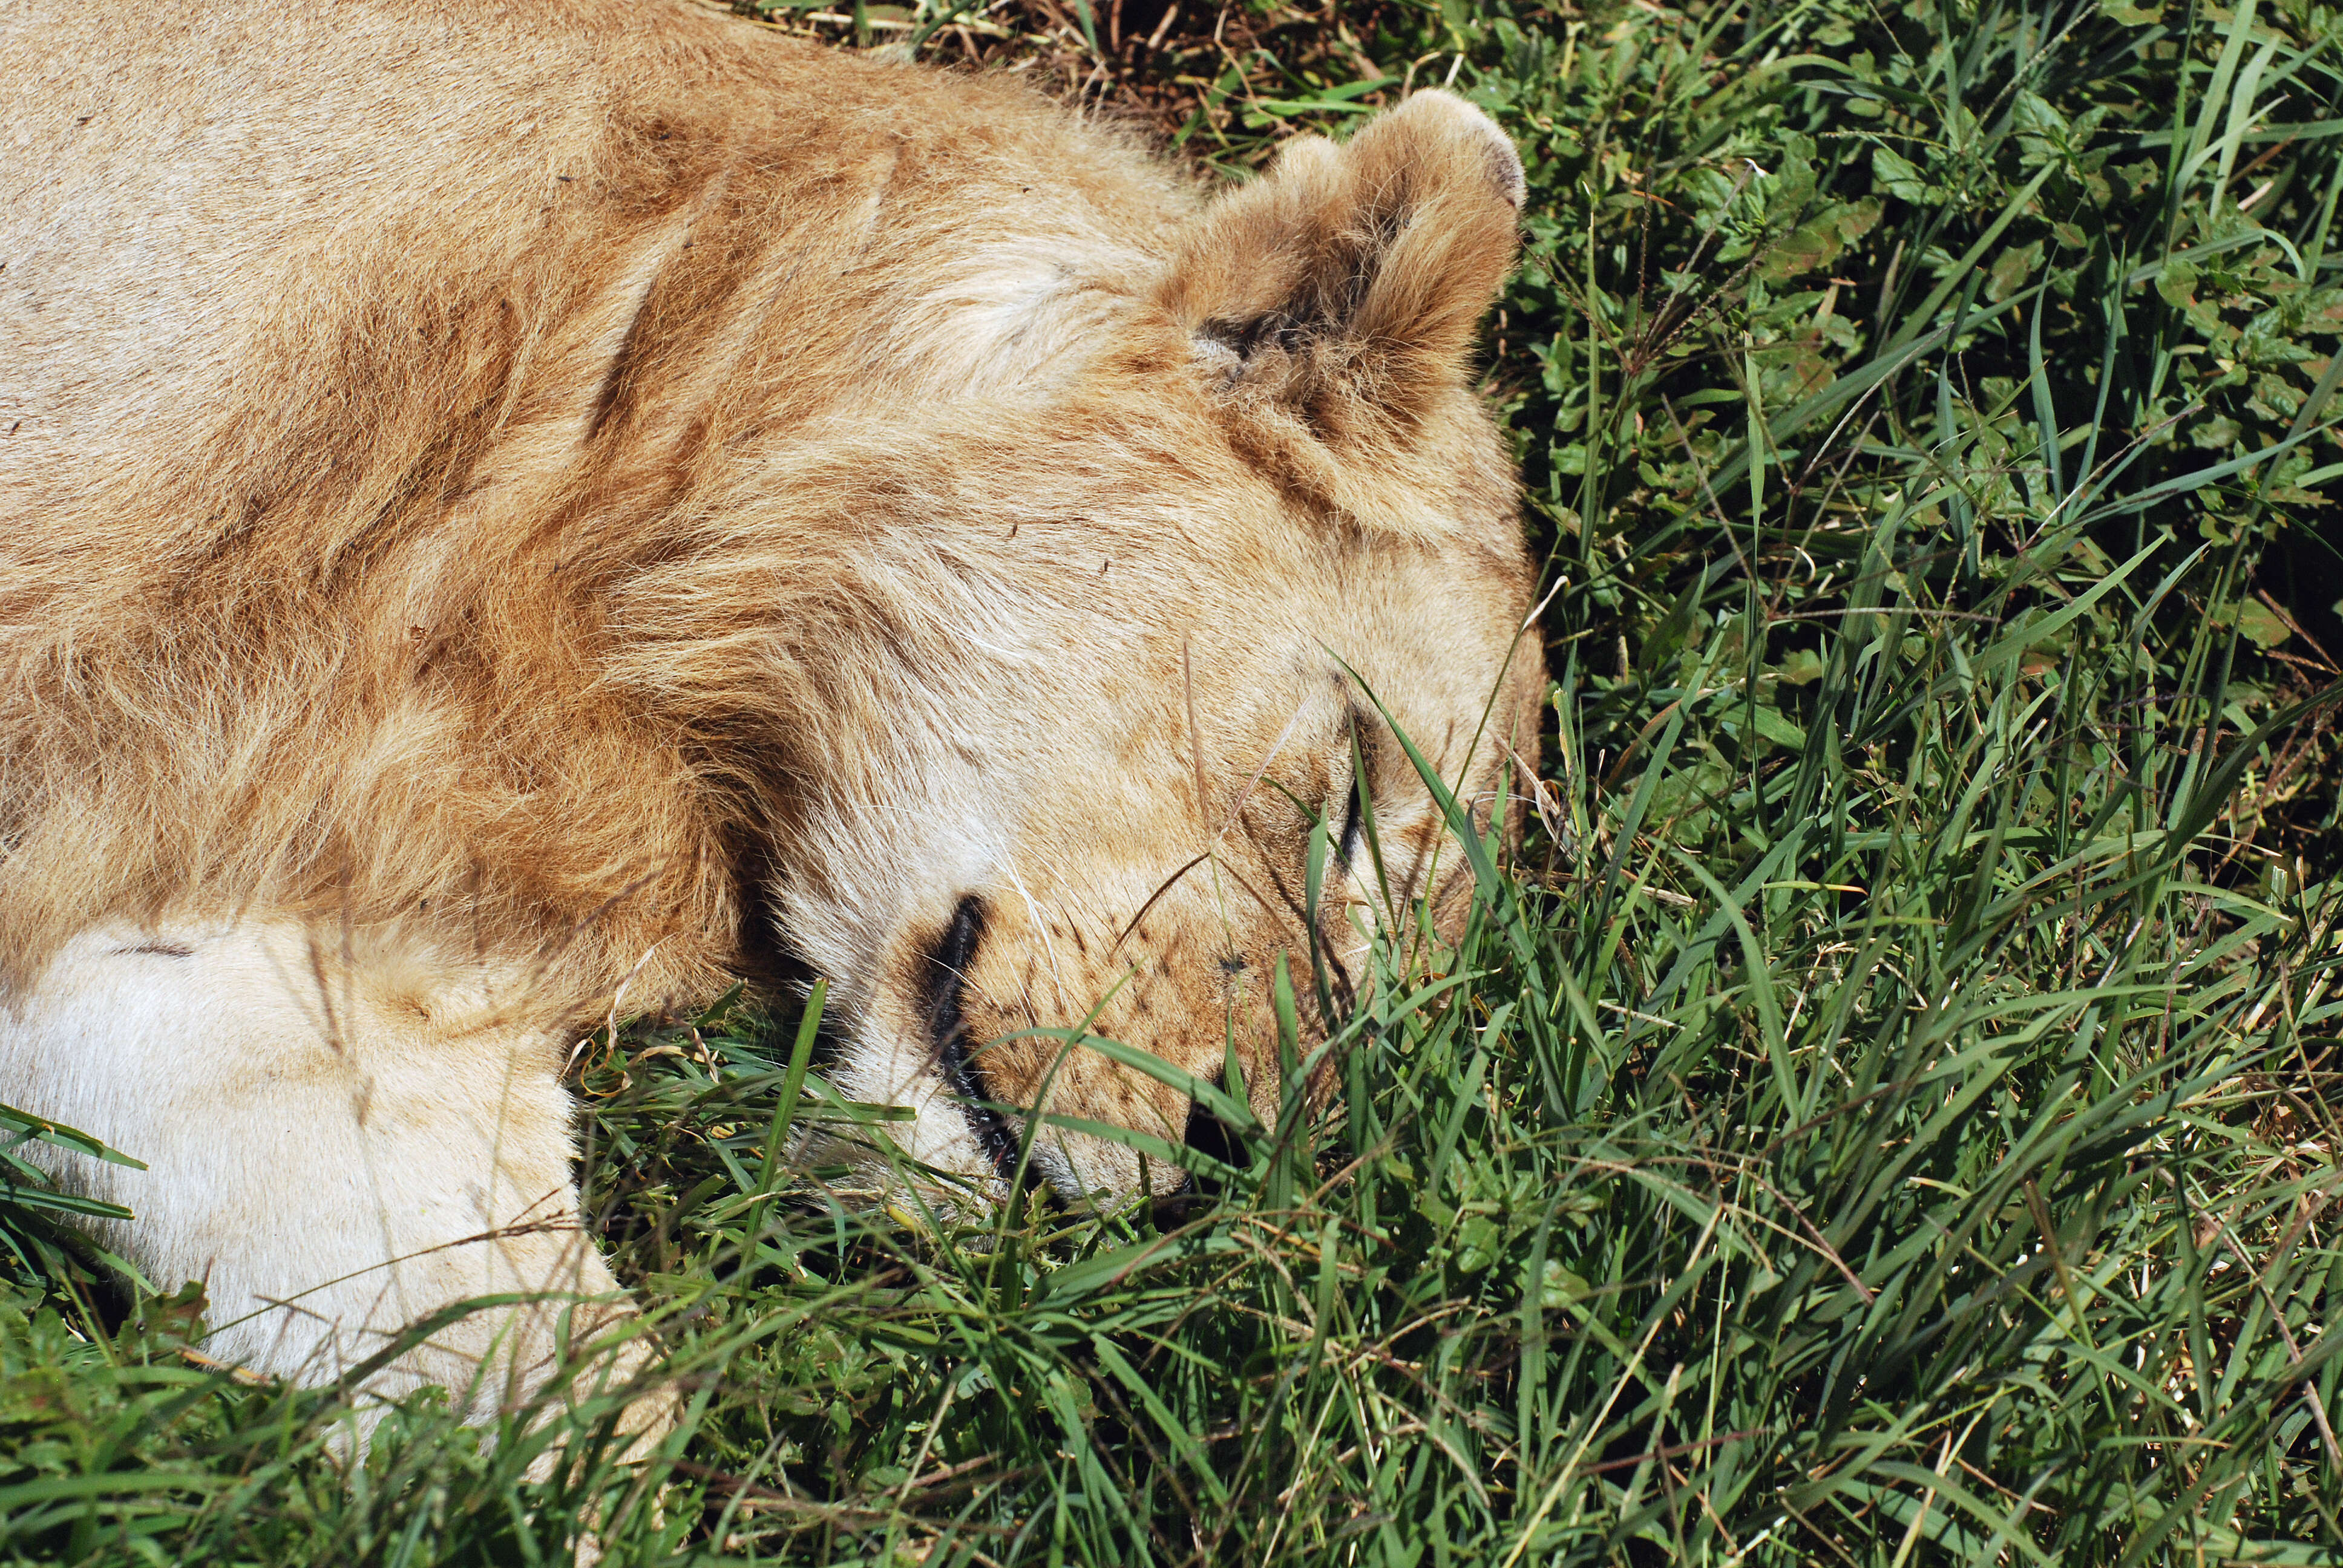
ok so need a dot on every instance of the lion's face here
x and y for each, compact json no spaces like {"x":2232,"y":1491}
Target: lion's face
{"x":1107,"y":819}
{"x":1092,"y":675}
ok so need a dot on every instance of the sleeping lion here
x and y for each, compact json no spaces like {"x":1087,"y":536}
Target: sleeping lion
{"x":515,"y":514}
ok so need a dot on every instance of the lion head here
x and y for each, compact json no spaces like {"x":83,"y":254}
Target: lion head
{"x":1063,"y":689}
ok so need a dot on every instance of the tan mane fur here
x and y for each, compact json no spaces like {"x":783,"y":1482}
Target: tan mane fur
{"x":345,"y":626}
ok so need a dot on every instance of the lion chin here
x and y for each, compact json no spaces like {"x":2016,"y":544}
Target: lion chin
{"x":515,"y":516}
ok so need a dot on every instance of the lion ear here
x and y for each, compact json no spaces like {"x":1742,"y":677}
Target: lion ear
{"x":1342,"y":288}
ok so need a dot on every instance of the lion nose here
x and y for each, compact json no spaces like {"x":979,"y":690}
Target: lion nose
{"x":1209,"y":1135}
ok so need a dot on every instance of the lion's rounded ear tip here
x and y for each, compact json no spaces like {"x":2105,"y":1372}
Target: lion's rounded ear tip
{"x":1505,"y":162}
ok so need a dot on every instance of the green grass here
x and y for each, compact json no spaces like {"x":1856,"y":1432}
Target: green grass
{"x":1883,"y":1113}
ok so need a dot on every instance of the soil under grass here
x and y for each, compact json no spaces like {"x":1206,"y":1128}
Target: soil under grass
{"x":1884,"y":1112}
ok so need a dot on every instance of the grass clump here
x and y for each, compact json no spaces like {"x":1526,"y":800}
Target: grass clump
{"x":1883,"y":1115}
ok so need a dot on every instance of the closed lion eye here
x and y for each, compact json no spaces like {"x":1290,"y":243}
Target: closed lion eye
{"x":1353,"y":820}
{"x":947,"y":979}
{"x":1358,"y":803}
{"x":947,"y":962}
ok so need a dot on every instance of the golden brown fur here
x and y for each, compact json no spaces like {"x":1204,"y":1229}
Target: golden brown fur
{"x":585,"y":493}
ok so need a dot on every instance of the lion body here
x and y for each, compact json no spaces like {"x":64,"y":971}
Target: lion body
{"x":511,"y":516}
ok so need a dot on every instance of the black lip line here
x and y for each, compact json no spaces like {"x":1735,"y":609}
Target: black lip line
{"x":992,"y":1134}
{"x":948,"y":978}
